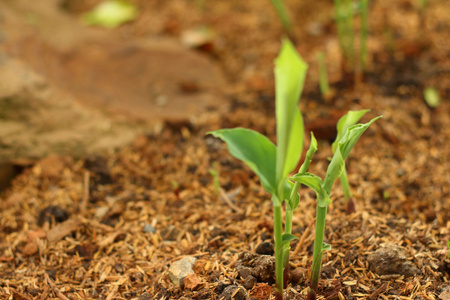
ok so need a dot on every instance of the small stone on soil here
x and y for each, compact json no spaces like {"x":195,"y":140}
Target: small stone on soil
{"x":180,"y":269}
{"x":391,"y":259}
{"x":265,"y":248}
{"x":249,"y":282}
{"x":233,"y":292}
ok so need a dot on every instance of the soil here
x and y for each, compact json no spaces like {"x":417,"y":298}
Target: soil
{"x":111,"y":226}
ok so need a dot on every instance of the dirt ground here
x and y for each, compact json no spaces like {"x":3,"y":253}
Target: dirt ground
{"x":112,"y":226}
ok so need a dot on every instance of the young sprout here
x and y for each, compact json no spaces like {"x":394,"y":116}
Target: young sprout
{"x":283,"y":15}
{"x":349,"y":119}
{"x":431,"y":97}
{"x":325,"y":89}
{"x":364,"y":9}
{"x":448,"y":249}
{"x":215,"y":176}
{"x":323,"y":191}
{"x":345,"y":13}
{"x":272,"y":163}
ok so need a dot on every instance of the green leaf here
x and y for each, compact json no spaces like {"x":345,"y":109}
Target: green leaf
{"x":291,"y":202}
{"x":350,"y":118}
{"x":334,"y":170}
{"x":255,"y":150}
{"x":315,"y":183}
{"x":287,"y":238}
{"x":351,"y":136}
{"x":326,"y":247}
{"x":345,"y":145}
{"x":290,"y":73}
{"x":111,"y":14}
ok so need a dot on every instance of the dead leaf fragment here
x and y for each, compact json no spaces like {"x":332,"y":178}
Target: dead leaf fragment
{"x":58,"y":232}
{"x":192,"y":282}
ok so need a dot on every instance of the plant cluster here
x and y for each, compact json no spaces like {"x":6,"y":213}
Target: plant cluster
{"x":273,"y":163}
{"x":346,"y":10}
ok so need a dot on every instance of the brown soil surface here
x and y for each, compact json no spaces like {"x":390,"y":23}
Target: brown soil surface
{"x":117,"y":223}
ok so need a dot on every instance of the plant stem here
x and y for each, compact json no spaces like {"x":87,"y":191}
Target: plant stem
{"x":318,"y":244}
{"x":284,"y":16}
{"x":364,"y":34}
{"x":345,"y":185}
{"x":349,"y":33}
{"x":323,"y":77}
{"x":278,"y":232}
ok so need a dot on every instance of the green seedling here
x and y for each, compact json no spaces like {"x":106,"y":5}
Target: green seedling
{"x":345,"y":13}
{"x":283,"y":15}
{"x":215,"y":176}
{"x":111,"y":14}
{"x":431,"y":97}
{"x":349,"y":119}
{"x":272,"y":163}
{"x":323,"y":77}
{"x":323,"y":191}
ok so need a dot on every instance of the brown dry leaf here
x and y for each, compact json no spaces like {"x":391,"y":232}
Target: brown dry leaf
{"x":30,"y":249}
{"x":32,"y":235}
{"x":58,"y":232}
{"x":192,"y":282}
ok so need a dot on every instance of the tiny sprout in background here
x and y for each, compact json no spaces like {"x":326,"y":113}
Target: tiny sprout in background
{"x":431,"y":97}
{"x":111,"y":14}
{"x":284,"y":16}
{"x":215,"y":175}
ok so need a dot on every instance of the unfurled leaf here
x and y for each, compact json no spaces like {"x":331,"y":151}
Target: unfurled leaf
{"x":350,"y":118}
{"x":345,"y":145}
{"x":255,"y":150}
{"x":315,"y":183}
{"x":287,"y":238}
{"x":290,"y":72}
{"x":326,"y":247}
{"x":111,"y":14}
{"x":351,"y":136}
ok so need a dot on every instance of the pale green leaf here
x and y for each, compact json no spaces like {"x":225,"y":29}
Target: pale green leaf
{"x":287,"y":238}
{"x":290,"y":73}
{"x":350,"y":118}
{"x":314,"y":182}
{"x":111,"y":14}
{"x":255,"y":150}
{"x":326,"y":247}
{"x":351,"y":136}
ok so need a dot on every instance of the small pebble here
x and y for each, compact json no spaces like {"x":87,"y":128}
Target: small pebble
{"x":265,"y":248}
{"x":234,"y":292}
{"x":391,"y":259}
{"x":180,"y":269}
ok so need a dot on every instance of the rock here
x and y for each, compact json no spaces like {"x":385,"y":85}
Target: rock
{"x":181,"y":268}
{"x":243,"y":272}
{"x":234,"y":292}
{"x":249,"y":282}
{"x":391,"y":259}
{"x":262,"y":267}
{"x":265,"y":248}
{"x":71,"y":90}
{"x":298,"y":274}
